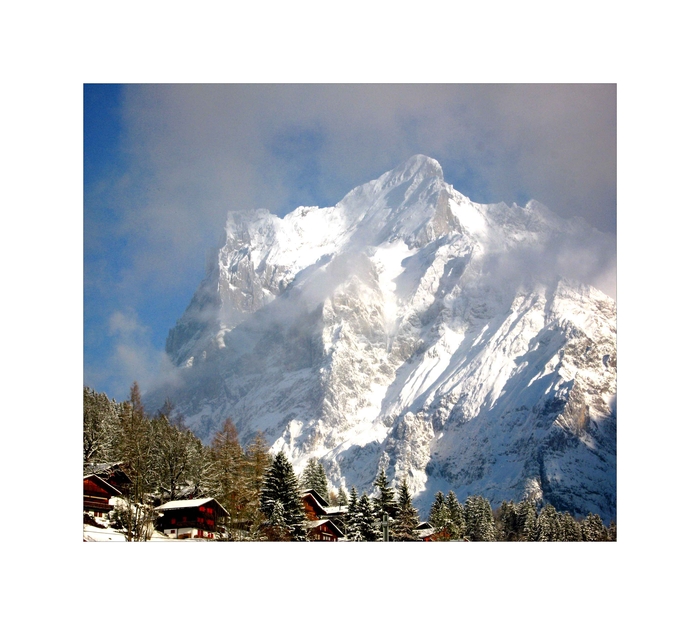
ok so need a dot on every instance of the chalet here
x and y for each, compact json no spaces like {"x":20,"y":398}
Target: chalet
{"x":191,"y":518}
{"x":317,"y":508}
{"x":96,"y":495}
{"x":325,"y":530}
{"x":112,"y":472}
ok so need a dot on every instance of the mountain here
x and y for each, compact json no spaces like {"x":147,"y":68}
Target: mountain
{"x":407,"y":327}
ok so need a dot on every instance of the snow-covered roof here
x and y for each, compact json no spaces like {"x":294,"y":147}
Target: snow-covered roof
{"x":313,"y":524}
{"x":336,"y":509}
{"x":189,"y":503}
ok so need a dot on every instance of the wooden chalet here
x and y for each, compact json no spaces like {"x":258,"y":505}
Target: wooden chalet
{"x":112,"y":472}
{"x":191,"y":518}
{"x":317,"y":508}
{"x":325,"y":530}
{"x":96,"y":495}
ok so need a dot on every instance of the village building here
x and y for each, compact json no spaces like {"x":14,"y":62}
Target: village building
{"x":325,"y":522}
{"x":316,"y":507}
{"x":112,"y":472}
{"x":191,"y":518}
{"x":97,"y":493}
{"x":324,"y":530}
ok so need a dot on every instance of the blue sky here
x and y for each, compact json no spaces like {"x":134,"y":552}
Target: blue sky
{"x":163,"y":164}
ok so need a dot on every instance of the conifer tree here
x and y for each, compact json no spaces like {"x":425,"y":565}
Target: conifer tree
{"x":436,"y":507}
{"x":571,"y":530}
{"x":277,"y":526}
{"x":548,"y":525}
{"x":367,"y":519}
{"x":592,"y":528}
{"x":280,"y":484}
{"x":456,"y":516}
{"x":404,"y":528}
{"x":342,"y":497}
{"x":314,"y":476}
{"x":353,"y":531}
{"x":228,"y":473}
{"x":506,"y":519}
{"x":479,"y":523}
{"x":200,"y":472}
{"x":134,"y":444}
{"x":100,"y":427}
{"x":134,"y":448}
{"x":439,"y":517}
{"x":527,"y":520}
{"x":257,"y":461}
{"x":385,"y":497}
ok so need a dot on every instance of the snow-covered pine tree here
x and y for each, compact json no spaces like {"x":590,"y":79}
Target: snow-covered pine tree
{"x":571,"y":530}
{"x":456,"y":515}
{"x":367,"y":518}
{"x":280,"y":484}
{"x":478,"y":519}
{"x":593,"y":529}
{"x":548,"y":525}
{"x":314,"y":476}
{"x":277,"y":529}
{"x":527,"y":520}
{"x":404,"y":527}
{"x":507,"y":522}
{"x":100,"y":427}
{"x":353,"y":531}
{"x":437,"y":506}
{"x":439,"y":517}
{"x":385,"y":494}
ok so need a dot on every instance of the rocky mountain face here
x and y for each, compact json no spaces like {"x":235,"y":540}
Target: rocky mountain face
{"x":410,"y":328}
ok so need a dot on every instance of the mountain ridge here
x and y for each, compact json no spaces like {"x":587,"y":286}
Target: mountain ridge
{"x":411,"y":329}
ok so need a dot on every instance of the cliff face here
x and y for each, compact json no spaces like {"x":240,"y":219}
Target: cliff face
{"x":412,"y":329}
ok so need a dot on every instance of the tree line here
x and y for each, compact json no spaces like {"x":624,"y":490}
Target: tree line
{"x":165,"y":461}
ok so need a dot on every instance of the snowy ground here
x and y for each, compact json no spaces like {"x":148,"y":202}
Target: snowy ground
{"x":107,"y":534}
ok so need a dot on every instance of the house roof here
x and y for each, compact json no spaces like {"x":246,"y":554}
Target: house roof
{"x":335,"y":510}
{"x":102,"y":483}
{"x":107,"y":469}
{"x":320,"y":522}
{"x":319,"y":499}
{"x":190,"y":503}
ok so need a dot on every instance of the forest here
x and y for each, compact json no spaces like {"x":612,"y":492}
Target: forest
{"x":165,"y":461}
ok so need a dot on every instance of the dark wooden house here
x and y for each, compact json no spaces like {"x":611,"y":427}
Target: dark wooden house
{"x":96,"y":495}
{"x":112,"y":472}
{"x":191,"y":518}
{"x":317,"y":508}
{"x":325,"y":530}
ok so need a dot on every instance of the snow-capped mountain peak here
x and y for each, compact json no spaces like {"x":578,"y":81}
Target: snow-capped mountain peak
{"x":411,"y":329}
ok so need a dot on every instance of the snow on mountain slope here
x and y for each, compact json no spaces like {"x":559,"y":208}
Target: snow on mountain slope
{"x":410,"y":328}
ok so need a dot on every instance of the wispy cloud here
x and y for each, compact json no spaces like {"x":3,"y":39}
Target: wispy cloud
{"x":194,"y":152}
